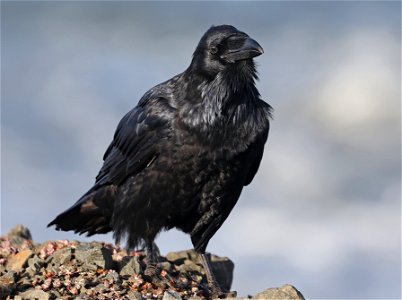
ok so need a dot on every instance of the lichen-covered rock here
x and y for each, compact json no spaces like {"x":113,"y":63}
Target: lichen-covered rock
{"x":286,"y":292}
{"x":92,"y":257}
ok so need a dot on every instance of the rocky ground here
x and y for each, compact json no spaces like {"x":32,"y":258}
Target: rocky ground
{"x":77,"y":270}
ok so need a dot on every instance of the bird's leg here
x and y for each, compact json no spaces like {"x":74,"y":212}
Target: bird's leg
{"x":216,"y":291}
{"x":152,"y":271}
{"x":151,"y":259}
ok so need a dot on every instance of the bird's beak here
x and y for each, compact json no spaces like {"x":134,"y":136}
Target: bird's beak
{"x":249,"y":49}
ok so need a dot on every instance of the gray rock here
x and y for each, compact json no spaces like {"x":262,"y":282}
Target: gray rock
{"x":93,"y":257}
{"x":165,"y":265}
{"x":19,"y":234}
{"x":134,"y":295}
{"x":83,"y":297}
{"x":190,"y":266}
{"x":112,"y":277}
{"x":34,"y":294}
{"x":179,"y":257}
{"x":223,"y":270}
{"x":171,"y":295}
{"x":60,"y":257}
{"x":100,"y":288}
{"x":35,"y":264}
{"x":285,"y":292}
{"x":130,"y":265}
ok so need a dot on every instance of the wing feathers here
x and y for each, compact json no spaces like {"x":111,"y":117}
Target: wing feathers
{"x":136,"y":142}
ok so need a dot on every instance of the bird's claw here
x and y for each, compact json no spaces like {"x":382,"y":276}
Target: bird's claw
{"x":151,"y":270}
{"x":223,"y":295}
{"x":152,"y":274}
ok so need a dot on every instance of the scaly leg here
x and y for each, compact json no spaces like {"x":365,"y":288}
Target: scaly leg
{"x":216,"y":291}
{"x":152,"y":271}
{"x":151,"y":259}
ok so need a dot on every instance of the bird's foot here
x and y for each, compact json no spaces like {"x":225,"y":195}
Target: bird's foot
{"x":151,"y":270}
{"x":223,"y":295}
{"x":154,"y":274}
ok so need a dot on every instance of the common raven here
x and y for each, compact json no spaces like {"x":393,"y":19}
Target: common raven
{"x":181,"y":157}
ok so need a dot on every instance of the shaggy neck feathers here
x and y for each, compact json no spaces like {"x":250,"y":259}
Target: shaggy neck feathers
{"x":223,"y":105}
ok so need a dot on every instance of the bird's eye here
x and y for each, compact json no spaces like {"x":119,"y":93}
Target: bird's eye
{"x":213,"y":49}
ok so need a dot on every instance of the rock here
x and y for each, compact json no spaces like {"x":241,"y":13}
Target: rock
{"x":130,"y":265}
{"x":286,"y":292}
{"x":189,"y":261}
{"x":133,"y":295}
{"x":2,"y":269}
{"x":165,"y":265}
{"x":189,"y":265}
{"x":112,"y":277}
{"x":24,"y":283}
{"x":7,"y":283}
{"x":223,"y":270}
{"x":35,"y":263}
{"x":62,"y":269}
{"x":93,"y":257}
{"x":19,"y":234}
{"x":171,"y":295}
{"x":34,"y":294}
{"x":19,"y":260}
{"x":83,"y":297}
{"x":60,"y":257}
{"x":178,"y":257}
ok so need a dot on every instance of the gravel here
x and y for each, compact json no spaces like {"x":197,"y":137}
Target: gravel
{"x":96,"y":270}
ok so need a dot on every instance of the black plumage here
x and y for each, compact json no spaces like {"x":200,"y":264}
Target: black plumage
{"x":181,"y":157}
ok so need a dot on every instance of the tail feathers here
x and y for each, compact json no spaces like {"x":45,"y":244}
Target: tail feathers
{"x":91,"y":214}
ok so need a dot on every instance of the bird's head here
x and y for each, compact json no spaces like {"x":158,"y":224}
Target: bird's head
{"x":223,"y":47}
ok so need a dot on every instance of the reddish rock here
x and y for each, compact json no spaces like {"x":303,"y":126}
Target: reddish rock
{"x":19,"y":260}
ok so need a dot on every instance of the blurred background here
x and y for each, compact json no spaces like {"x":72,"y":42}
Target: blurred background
{"x":324,"y":211}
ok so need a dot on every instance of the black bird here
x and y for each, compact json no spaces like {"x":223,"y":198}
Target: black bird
{"x":182,"y":156}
